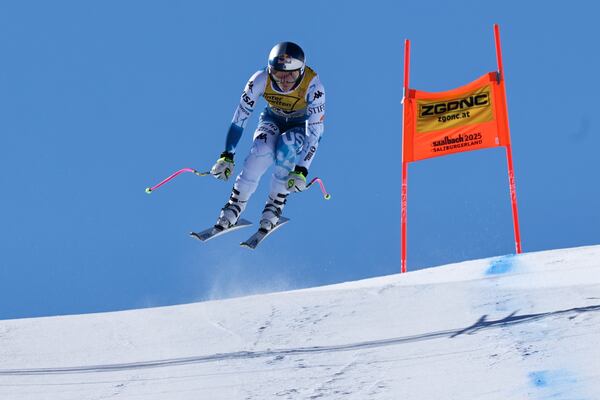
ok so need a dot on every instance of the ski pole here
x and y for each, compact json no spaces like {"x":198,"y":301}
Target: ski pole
{"x":173,"y":175}
{"x":326,"y":195}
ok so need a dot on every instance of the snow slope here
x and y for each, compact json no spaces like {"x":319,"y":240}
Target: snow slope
{"x":514,"y":327}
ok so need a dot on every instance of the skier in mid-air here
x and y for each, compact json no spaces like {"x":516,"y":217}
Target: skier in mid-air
{"x":288,"y":133}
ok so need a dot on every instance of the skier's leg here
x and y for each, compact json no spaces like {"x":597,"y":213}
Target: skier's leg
{"x":288,"y":147}
{"x":260,"y":158}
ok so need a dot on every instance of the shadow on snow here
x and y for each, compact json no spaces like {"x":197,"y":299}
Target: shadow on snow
{"x":482,"y":324}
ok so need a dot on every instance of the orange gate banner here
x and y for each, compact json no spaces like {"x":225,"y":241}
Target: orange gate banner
{"x":470,"y":117}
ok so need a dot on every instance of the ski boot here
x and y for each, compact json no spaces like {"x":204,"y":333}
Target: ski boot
{"x":272,"y":212}
{"x":230,"y":213}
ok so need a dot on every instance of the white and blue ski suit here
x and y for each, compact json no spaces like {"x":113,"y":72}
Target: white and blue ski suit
{"x":288,"y":131}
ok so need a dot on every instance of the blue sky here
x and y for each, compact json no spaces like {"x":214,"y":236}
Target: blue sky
{"x":102,"y":99}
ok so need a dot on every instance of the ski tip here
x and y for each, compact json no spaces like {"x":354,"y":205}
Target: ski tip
{"x":216,"y":231}
{"x":202,"y":236}
{"x":195,"y":235}
{"x":246,"y":245}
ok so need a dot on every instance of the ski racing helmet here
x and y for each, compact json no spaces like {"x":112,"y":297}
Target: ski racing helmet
{"x":286,"y":56}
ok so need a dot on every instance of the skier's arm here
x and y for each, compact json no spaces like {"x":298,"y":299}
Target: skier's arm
{"x":315,"y":126}
{"x":252,"y":91}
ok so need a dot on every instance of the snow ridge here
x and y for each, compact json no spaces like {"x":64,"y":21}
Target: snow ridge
{"x":522,"y":326}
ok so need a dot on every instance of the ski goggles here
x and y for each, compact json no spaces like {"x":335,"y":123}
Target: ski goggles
{"x":284,"y":77}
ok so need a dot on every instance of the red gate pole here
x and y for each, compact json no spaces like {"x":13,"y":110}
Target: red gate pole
{"x":509,"y":159}
{"x":404,"y":200}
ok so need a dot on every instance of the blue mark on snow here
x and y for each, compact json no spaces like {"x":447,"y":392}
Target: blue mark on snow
{"x":554,"y":384}
{"x":501,"y":265}
{"x":539,"y":378}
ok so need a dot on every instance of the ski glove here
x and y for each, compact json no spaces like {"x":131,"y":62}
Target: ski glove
{"x":297,"y":180}
{"x":223,"y":168}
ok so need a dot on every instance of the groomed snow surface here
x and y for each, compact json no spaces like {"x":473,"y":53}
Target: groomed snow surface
{"x":513,"y":327}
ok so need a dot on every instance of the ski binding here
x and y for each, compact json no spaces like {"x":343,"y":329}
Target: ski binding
{"x":253,"y":241}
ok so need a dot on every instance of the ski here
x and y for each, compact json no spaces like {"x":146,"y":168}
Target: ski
{"x":253,"y":241}
{"x":213,"y":232}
